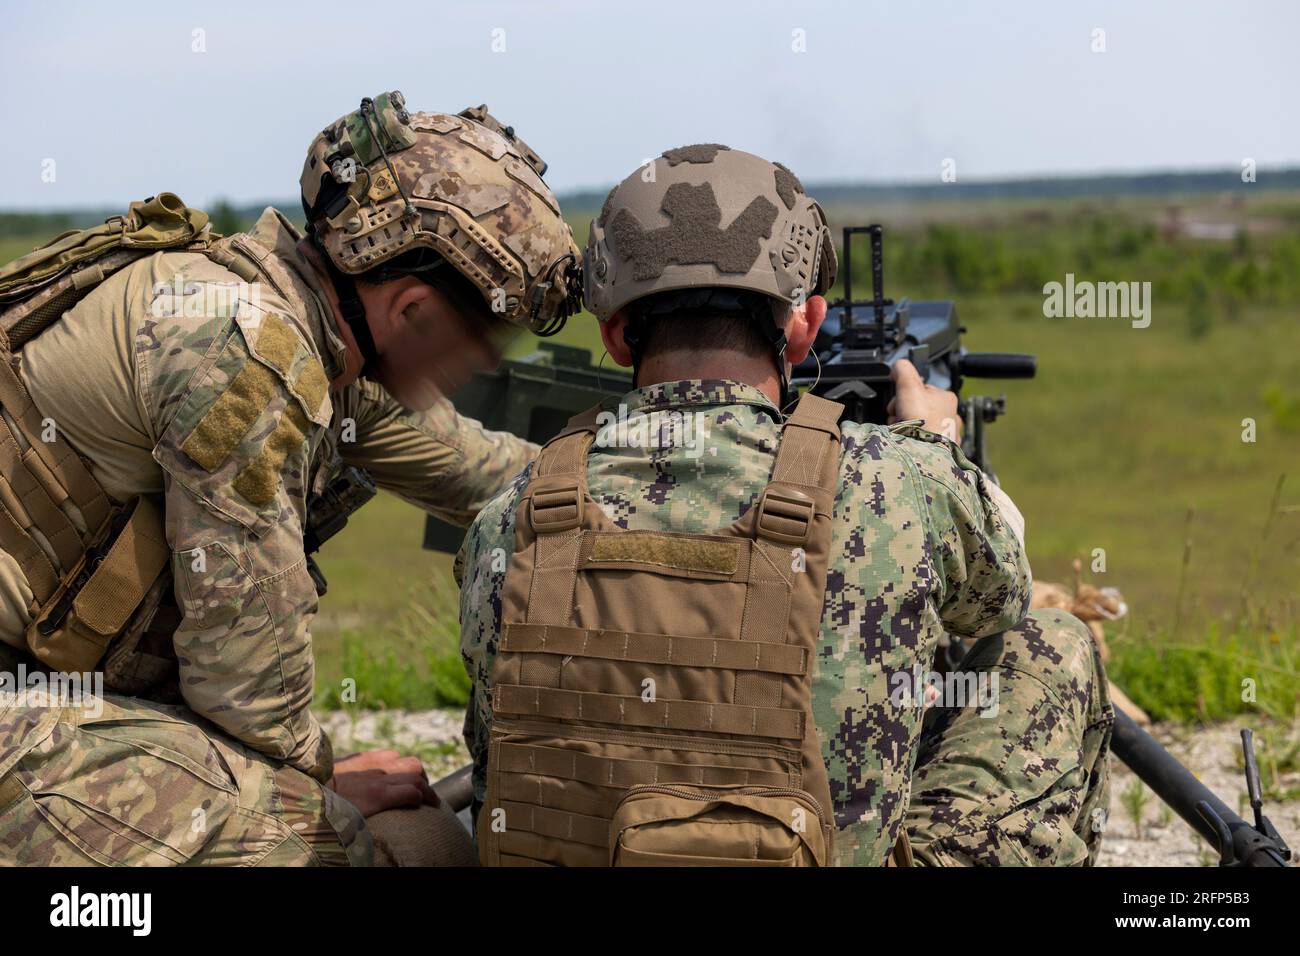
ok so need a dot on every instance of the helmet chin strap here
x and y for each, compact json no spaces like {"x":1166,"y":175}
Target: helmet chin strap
{"x":787,"y":393}
{"x":354,"y":314}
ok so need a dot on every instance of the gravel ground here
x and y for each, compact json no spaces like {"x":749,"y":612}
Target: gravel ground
{"x":1211,"y":753}
{"x":435,"y":735}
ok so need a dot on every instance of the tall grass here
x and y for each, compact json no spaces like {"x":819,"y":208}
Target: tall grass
{"x":1213,"y":677}
{"x":411,"y":663}
{"x":1247,"y":662}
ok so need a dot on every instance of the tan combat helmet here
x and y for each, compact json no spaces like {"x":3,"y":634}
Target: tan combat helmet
{"x":381,"y":182}
{"x":707,"y":216}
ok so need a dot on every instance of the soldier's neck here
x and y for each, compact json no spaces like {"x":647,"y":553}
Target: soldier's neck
{"x":757,"y":371}
{"x":352,"y":359}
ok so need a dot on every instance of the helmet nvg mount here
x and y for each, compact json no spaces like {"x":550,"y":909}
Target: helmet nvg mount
{"x":381,"y":182}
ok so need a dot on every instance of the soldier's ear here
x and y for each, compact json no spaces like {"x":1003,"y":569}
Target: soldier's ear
{"x":413,"y":299}
{"x":801,"y":331}
{"x":393,"y":306}
{"x":611,"y":333}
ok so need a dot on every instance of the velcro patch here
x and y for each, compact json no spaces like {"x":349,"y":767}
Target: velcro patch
{"x":240,"y":435}
{"x":222,"y":427}
{"x":694,"y":235}
{"x":311,"y":384}
{"x":697,"y":153}
{"x":257,"y":481}
{"x":277,"y":344}
{"x":274,"y":341}
{"x":679,"y":552}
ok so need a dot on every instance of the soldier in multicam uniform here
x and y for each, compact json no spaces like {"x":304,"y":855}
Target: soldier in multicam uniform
{"x":430,"y":237}
{"x":700,"y":274}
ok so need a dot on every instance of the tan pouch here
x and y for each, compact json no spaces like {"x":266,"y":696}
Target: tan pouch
{"x":94,"y":603}
{"x":661,"y":825}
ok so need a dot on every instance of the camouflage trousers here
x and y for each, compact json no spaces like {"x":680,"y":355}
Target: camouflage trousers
{"x":145,"y":784}
{"x":1026,"y":786}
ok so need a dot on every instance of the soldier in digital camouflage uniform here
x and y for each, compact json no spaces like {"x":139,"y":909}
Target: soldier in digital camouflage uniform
{"x":227,"y":383}
{"x":923,"y":542}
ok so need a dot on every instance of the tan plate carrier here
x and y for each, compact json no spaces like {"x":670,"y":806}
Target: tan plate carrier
{"x":652,"y":690}
{"x":96,"y":569}
{"x":88,"y":576}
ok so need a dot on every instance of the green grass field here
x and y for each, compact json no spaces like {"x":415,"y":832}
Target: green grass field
{"x":1129,"y":442}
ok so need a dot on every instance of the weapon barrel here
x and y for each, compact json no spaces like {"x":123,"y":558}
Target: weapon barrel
{"x":1170,"y":780}
{"x":1175,"y":785}
{"x":456,"y":789}
{"x":998,"y":365}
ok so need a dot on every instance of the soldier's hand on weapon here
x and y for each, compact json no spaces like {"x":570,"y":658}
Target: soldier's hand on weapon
{"x":380,"y":780}
{"x":913,"y":399}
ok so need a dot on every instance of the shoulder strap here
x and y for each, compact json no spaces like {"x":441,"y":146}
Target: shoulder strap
{"x":566,"y":453}
{"x":231,"y":255}
{"x":804,"y":441}
{"x":557,"y":492}
{"x":805,"y":475}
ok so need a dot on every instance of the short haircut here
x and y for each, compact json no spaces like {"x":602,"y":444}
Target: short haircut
{"x":707,"y":319}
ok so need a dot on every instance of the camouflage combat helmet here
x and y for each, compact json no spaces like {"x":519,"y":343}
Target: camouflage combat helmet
{"x":381,"y":182}
{"x":707,"y":216}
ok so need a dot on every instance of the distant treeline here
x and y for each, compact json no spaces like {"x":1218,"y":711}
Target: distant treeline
{"x":1213,"y":279}
{"x":1150,"y":184}
{"x":228,"y":217}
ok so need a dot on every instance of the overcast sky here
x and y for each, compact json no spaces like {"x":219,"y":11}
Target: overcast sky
{"x":116,"y":95}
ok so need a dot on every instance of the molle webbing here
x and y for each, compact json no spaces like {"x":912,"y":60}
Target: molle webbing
{"x":28,"y":318}
{"x":38,"y":478}
{"x":26,"y":504}
{"x":651,"y":659}
{"x":580,"y":767}
{"x":89,"y":564}
{"x":655,"y":648}
{"x":97,"y":599}
{"x":628,"y":710}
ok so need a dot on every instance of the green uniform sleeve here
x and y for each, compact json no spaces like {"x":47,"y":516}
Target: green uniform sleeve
{"x":985,"y":578}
